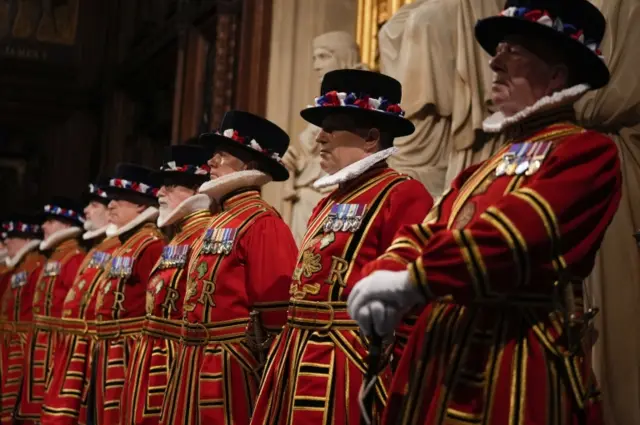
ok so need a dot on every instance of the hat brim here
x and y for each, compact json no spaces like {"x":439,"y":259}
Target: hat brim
{"x":160,"y":178}
{"x":120,"y":193}
{"x":90,"y":197}
{"x":268,"y":165}
{"x":396,"y":125}
{"x":69,"y":220}
{"x":586,"y":65}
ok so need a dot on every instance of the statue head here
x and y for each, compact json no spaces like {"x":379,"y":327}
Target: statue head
{"x":335,"y":50}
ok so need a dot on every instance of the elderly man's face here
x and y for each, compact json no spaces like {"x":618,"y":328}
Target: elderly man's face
{"x":96,"y":215}
{"x":170,"y":196}
{"x":223,"y":163}
{"x":521,"y":77}
{"x":122,"y":212}
{"x":342,"y":143}
{"x":51,"y":226}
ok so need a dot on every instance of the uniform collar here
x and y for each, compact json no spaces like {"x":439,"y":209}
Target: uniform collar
{"x":221,"y":187}
{"x":186,"y":208}
{"x":352,"y":171}
{"x":150,"y":214}
{"x":93,"y":234}
{"x":56,"y":238}
{"x":547,"y":110}
{"x":237,"y":196}
{"x":27,"y":248}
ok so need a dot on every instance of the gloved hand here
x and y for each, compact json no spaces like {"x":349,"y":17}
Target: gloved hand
{"x":380,"y":300}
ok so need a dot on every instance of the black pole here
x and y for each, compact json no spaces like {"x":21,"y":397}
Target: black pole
{"x":373,"y":363}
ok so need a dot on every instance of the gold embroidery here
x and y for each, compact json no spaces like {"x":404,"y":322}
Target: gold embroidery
{"x":117,"y":301}
{"x":170,"y":299}
{"x":206,"y":298}
{"x":338,"y":269}
{"x":311,"y":264}
{"x":154,"y":289}
{"x":465,"y":215}
{"x":327,"y":240}
{"x":71,"y":295}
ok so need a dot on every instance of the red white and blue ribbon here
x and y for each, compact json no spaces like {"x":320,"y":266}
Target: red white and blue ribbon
{"x":18,"y":226}
{"x":235,"y":136}
{"x":95,"y":190}
{"x":543,"y":17}
{"x":198,"y":170}
{"x":63,"y":212}
{"x":142,"y":188}
{"x":334,"y":98}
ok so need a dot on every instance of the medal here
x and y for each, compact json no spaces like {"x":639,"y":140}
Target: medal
{"x":523,"y":162}
{"x":511,"y":168}
{"x":541,"y":152}
{"x":501,"y":169}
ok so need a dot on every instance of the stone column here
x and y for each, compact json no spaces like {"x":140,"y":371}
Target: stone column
{"x":292,"y":83}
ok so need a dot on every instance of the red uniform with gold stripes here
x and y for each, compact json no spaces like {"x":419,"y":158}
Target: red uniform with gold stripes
{"x":491,"y":346}
{"x":55,"y":280}
{"x":120,"y":312}
{"x":16,"y":311}
{"x":242,"y":263}
{"x":154,"y":353}
{"x":66,"y":396}
{"x":5,"y":276}
{"x":315,"y":371}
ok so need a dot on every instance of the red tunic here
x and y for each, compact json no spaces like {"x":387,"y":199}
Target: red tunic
{"x":154,"y":353}
{"x":5,"y":276}
{"x":120,"y":312}
{"x":17,"y":315}
{"x":242,"y":263}
{"x":55,"y":280}
{"x":65,"y":399}
{"x":315,"y":371}
{"x":491,"y":346}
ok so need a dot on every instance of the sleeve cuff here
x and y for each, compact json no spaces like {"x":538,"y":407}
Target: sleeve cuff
{"x":418,"y":278}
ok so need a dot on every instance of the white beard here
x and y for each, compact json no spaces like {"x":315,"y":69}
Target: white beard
{"x":164,"y":210}
{"x":88,"y":226}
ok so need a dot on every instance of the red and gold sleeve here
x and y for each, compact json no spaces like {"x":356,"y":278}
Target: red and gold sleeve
{"x":66,"y":278}
{"x":270,"y":254}
{"x":146,"y":260}
{"x":410,"y":238}
{"x":522,"y":244}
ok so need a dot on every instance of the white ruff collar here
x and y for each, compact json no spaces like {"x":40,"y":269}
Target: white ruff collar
{"x":150,"y":214}
{"x":354,"y":170}
{"x":92,"y":234}
{"x":190,"y":205}
{"x":497,"y":122}
{"x":58,"y":237}
{"x":221,"y":186}
{"x":27,"y":248}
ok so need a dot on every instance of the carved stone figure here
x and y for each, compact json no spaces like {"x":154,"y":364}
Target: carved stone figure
{"x":331,"y":51}
{"x":429,"y":47}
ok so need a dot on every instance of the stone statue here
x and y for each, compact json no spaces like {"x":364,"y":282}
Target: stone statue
{"x":331,"y":51}
{"x":428,"y":45}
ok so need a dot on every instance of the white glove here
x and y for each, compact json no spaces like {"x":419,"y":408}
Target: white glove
{"x":379,"y":301}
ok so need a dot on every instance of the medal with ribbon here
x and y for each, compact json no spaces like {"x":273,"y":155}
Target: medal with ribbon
{"x":539,"y":154}
{"x":52,"y":268}
{"x":174,"y":256}
{"x":219,"y":241}
{"x":18,"y":280}
{"x":345,"y":218}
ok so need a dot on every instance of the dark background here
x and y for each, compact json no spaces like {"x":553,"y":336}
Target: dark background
{"x":85,"y":84}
